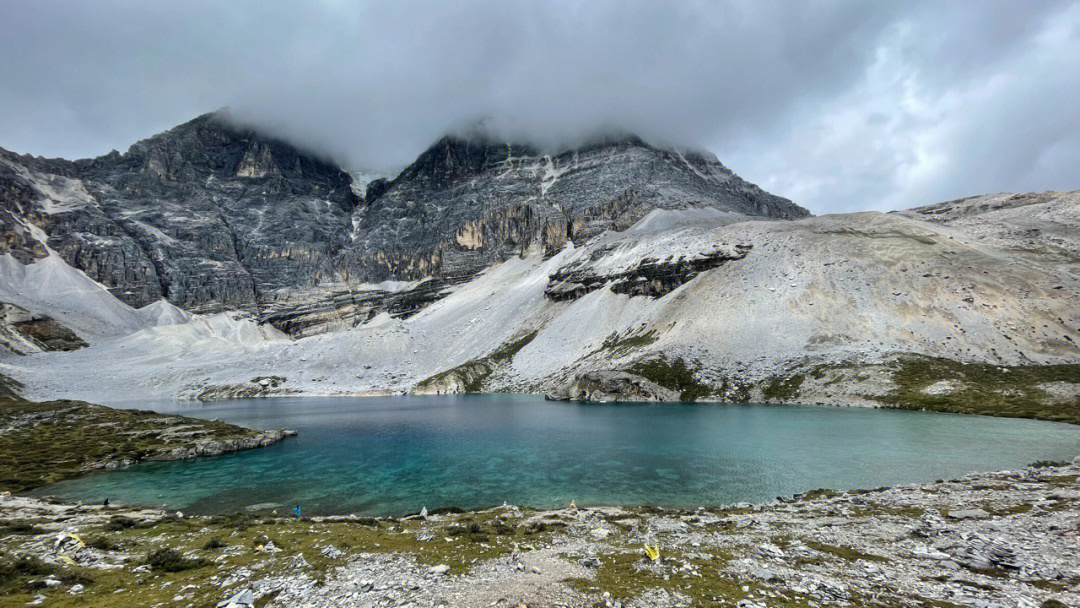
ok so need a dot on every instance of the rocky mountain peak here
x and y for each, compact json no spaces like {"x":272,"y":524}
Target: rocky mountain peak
{"x":212,"y":145}
{"x":214,"y":216}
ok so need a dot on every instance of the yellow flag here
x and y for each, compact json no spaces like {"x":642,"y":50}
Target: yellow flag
{"x":653,"y":552}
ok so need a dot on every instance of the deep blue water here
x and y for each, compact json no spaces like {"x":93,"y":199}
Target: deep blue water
{"x":397,"y":454}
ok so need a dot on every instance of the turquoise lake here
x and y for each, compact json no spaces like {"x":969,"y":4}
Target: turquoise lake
{"x":394,"y":455}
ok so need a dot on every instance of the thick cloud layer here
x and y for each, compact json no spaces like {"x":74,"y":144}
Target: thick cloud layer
{"x":840,"y":106}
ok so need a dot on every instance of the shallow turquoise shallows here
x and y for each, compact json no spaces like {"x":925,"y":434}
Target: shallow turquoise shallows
{"x":395,"y":455}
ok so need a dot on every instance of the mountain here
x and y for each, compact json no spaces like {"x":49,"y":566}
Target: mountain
{"x":205,"y":216}
{"x":212,"y":217}
{"x":497,"y":200}
{"x":209,"y":259}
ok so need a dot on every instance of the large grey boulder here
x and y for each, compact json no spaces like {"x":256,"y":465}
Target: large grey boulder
{"x":610,"y":385}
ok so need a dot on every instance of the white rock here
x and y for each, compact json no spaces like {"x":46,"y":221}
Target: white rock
{"x":242,"y":599}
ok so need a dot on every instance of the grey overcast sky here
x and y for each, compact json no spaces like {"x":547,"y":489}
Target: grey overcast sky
{"x":840,"y":106}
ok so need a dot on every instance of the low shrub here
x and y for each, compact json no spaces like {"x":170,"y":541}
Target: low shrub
{"x":214,"y":543}
{"x":21,"y":527}
{"x":120,"y":522}
{"x":170,"y":560}
{"x":103,"y":543}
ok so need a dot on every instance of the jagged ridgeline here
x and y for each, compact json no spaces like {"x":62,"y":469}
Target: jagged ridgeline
{"x":215,"y":217}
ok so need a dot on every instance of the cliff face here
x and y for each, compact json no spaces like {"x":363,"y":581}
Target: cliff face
{"x":463,"y":206}
{"x":212,"y":217}
{"x":206,"y":216}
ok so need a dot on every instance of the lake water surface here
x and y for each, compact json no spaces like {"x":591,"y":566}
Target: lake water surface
{"x":397,"y":454}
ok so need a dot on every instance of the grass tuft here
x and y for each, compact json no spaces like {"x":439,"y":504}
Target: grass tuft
{"x":170,"y":560}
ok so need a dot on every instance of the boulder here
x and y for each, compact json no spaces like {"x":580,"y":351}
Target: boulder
{"x":605,"y":386}
{"x":243,"y":599}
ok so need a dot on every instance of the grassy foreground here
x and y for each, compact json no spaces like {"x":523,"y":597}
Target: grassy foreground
{"x":864,"y":548}
{"x":183,"y":554}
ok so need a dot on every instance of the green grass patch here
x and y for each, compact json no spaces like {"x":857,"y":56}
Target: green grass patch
{"x":675,"y":375}
{"x":628,"y":574}
{"x":620,"y":345}
{"x":474,"y":373}
{"x":782,"y":388}
{"x":1060,"y":481}
{"x":991,"y":390}
{"x":23,"y":575}
{"x":845,"y":553}
{"x":1009,"y":510}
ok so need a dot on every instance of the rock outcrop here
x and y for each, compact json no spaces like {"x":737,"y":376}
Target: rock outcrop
{"x":464,"y":205}
{"x":648,"y":277}
{"x":216,"y":447}
{"x":23,"y":332}
{"x":209,"y":216}
{"x":611,"y":385}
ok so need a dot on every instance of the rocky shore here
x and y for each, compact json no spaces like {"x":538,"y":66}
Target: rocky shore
{"x":1004,"y":539}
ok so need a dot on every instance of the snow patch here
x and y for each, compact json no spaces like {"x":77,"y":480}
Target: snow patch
{"x":61,"y":194}
{"x":51,"y":287}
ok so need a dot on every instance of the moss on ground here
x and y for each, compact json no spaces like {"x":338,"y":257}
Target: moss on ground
{"x":782,"y":388}
{"x":618,"y":345}
{"x":475,"y":372}
{"x":675,"y":375}
{"x":992,"y":390}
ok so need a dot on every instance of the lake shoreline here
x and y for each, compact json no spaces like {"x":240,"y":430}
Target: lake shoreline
{"x":395,"y":455}
{"x":1009,"y":537}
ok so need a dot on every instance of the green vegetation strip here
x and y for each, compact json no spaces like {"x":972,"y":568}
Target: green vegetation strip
{"x":620,"y":345}
{"x":475,"y":372}
{"x":991,"y":390}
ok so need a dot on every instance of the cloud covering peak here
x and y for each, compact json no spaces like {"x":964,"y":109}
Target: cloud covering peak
{"x":837,"y":105}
